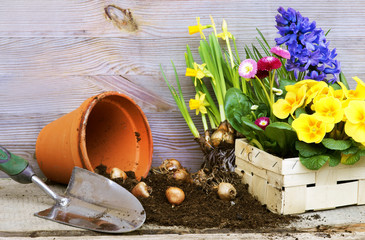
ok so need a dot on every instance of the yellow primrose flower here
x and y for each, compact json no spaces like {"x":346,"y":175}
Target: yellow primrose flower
{"x":294,"y":88}
{"x":225,"y":34}
{"x":359,"y":92}
{"x":329,"y":110}
{"x":355,"y":124}
{"x":283,"y":107}
{"x":309,"y":129}
{"x":199,"y":103}
{"x":340,"y":93}
{"x":325,"y":92}
{"x":314,"y":89}
{"x":199,"y":72}
{"x":198,"y":28}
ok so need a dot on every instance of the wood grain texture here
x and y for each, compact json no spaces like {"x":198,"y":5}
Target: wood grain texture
{"x":55,"y":54}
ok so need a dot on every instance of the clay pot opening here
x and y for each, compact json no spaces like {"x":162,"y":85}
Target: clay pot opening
{"x":110,"y":134}
{"x":108,"y":129}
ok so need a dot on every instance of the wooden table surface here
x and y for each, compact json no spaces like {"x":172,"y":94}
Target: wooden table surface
{"x":19,"y":202}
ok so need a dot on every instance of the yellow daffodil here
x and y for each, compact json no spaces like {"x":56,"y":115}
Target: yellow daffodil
{"x":213,"y":25}
{"x":355,"y":124}
{"x":198,"y":28}
{"x":283,"y":107}
{"x":199,"y":72}
{"x":309,"y":129}
{"x":225,"y":34}
{"x":199,"y":103}
{"x":359,"y":92}
{"x":329,"y":110}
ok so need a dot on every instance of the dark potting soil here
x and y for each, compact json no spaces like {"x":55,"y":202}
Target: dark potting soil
{"x":201,"y":208}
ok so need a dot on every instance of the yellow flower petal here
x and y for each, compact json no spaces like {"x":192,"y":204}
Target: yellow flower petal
{"x":359,"y":92}
{"x":190,"y":72}
{"x":309,"y":129}
{"x":355,"y":111}
{"x":194,"y":29}
{"x":329,"y":110}
{"x":281,"y":109}
{"x":356,"y":131}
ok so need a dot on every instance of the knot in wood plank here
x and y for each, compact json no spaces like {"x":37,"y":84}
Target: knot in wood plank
{"x":121,"y":18}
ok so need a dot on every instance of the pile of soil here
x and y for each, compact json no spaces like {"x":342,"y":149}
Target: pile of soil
{"x":202,"y":209}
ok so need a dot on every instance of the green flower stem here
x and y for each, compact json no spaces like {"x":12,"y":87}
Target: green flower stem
{"x":204,"y":121}
{"x":213,"y":123}
{"x":272,"y":80}
{"x":244,"y":86}
{"x":236,"y":50}
{"x":230,"y":52}
{"x":266,"y":94}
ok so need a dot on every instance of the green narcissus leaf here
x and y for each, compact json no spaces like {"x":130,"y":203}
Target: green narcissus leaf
{"x":333,"y":144}
{"x":314,"y":162}
{"x":309,"y":149}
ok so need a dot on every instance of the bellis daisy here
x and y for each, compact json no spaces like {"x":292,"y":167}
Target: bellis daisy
{"x":280,"y":52}
{"x":268,"y":63}
{"x":247,"y":68}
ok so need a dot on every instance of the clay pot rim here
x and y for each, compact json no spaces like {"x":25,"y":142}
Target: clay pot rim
{"x":83,"y":123}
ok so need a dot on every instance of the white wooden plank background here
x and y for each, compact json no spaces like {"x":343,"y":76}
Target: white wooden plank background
{"x":54,"y":54}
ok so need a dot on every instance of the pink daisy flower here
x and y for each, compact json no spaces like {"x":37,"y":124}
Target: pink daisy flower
{"x":280,"y":52}
{"x":268,"y":63}
{"x":247,"y":68}
{"x":262,"y":122}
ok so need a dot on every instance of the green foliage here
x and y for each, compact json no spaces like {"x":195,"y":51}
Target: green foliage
{"x":278,"y":137}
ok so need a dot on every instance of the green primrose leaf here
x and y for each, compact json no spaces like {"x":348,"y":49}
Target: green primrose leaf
{"x":352,"y":159}
{"x":283,"y":134}
{"x":237,"y":105}
{"x":309,"y":149}
{"x":333,"y":144}
{"x":248,"y":122}
{"x":335,"y":158}
{"x":314,"y":162}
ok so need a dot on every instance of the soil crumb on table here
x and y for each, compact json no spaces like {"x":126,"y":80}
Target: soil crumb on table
{"x":203,"y":209}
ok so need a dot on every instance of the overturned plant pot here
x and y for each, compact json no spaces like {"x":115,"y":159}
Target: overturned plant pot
{"x":108,"y":129}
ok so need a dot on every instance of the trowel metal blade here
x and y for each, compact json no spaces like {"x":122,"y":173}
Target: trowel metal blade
{"x":97,"y":203}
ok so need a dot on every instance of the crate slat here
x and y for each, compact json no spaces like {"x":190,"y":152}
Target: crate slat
{"x":285,"y":186}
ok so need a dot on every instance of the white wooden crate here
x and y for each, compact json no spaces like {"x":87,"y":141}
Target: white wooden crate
{"x":287,"y":187}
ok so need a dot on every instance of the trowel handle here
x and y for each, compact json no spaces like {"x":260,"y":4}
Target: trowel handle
{"x":16,"y":167}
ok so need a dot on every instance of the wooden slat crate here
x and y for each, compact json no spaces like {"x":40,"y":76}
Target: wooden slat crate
{"x":285,"y":186}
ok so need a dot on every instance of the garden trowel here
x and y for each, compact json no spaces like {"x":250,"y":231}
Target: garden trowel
{"x":90,"y":201}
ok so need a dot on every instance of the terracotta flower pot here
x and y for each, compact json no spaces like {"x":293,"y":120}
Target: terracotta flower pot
{"x":108,"y":129}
